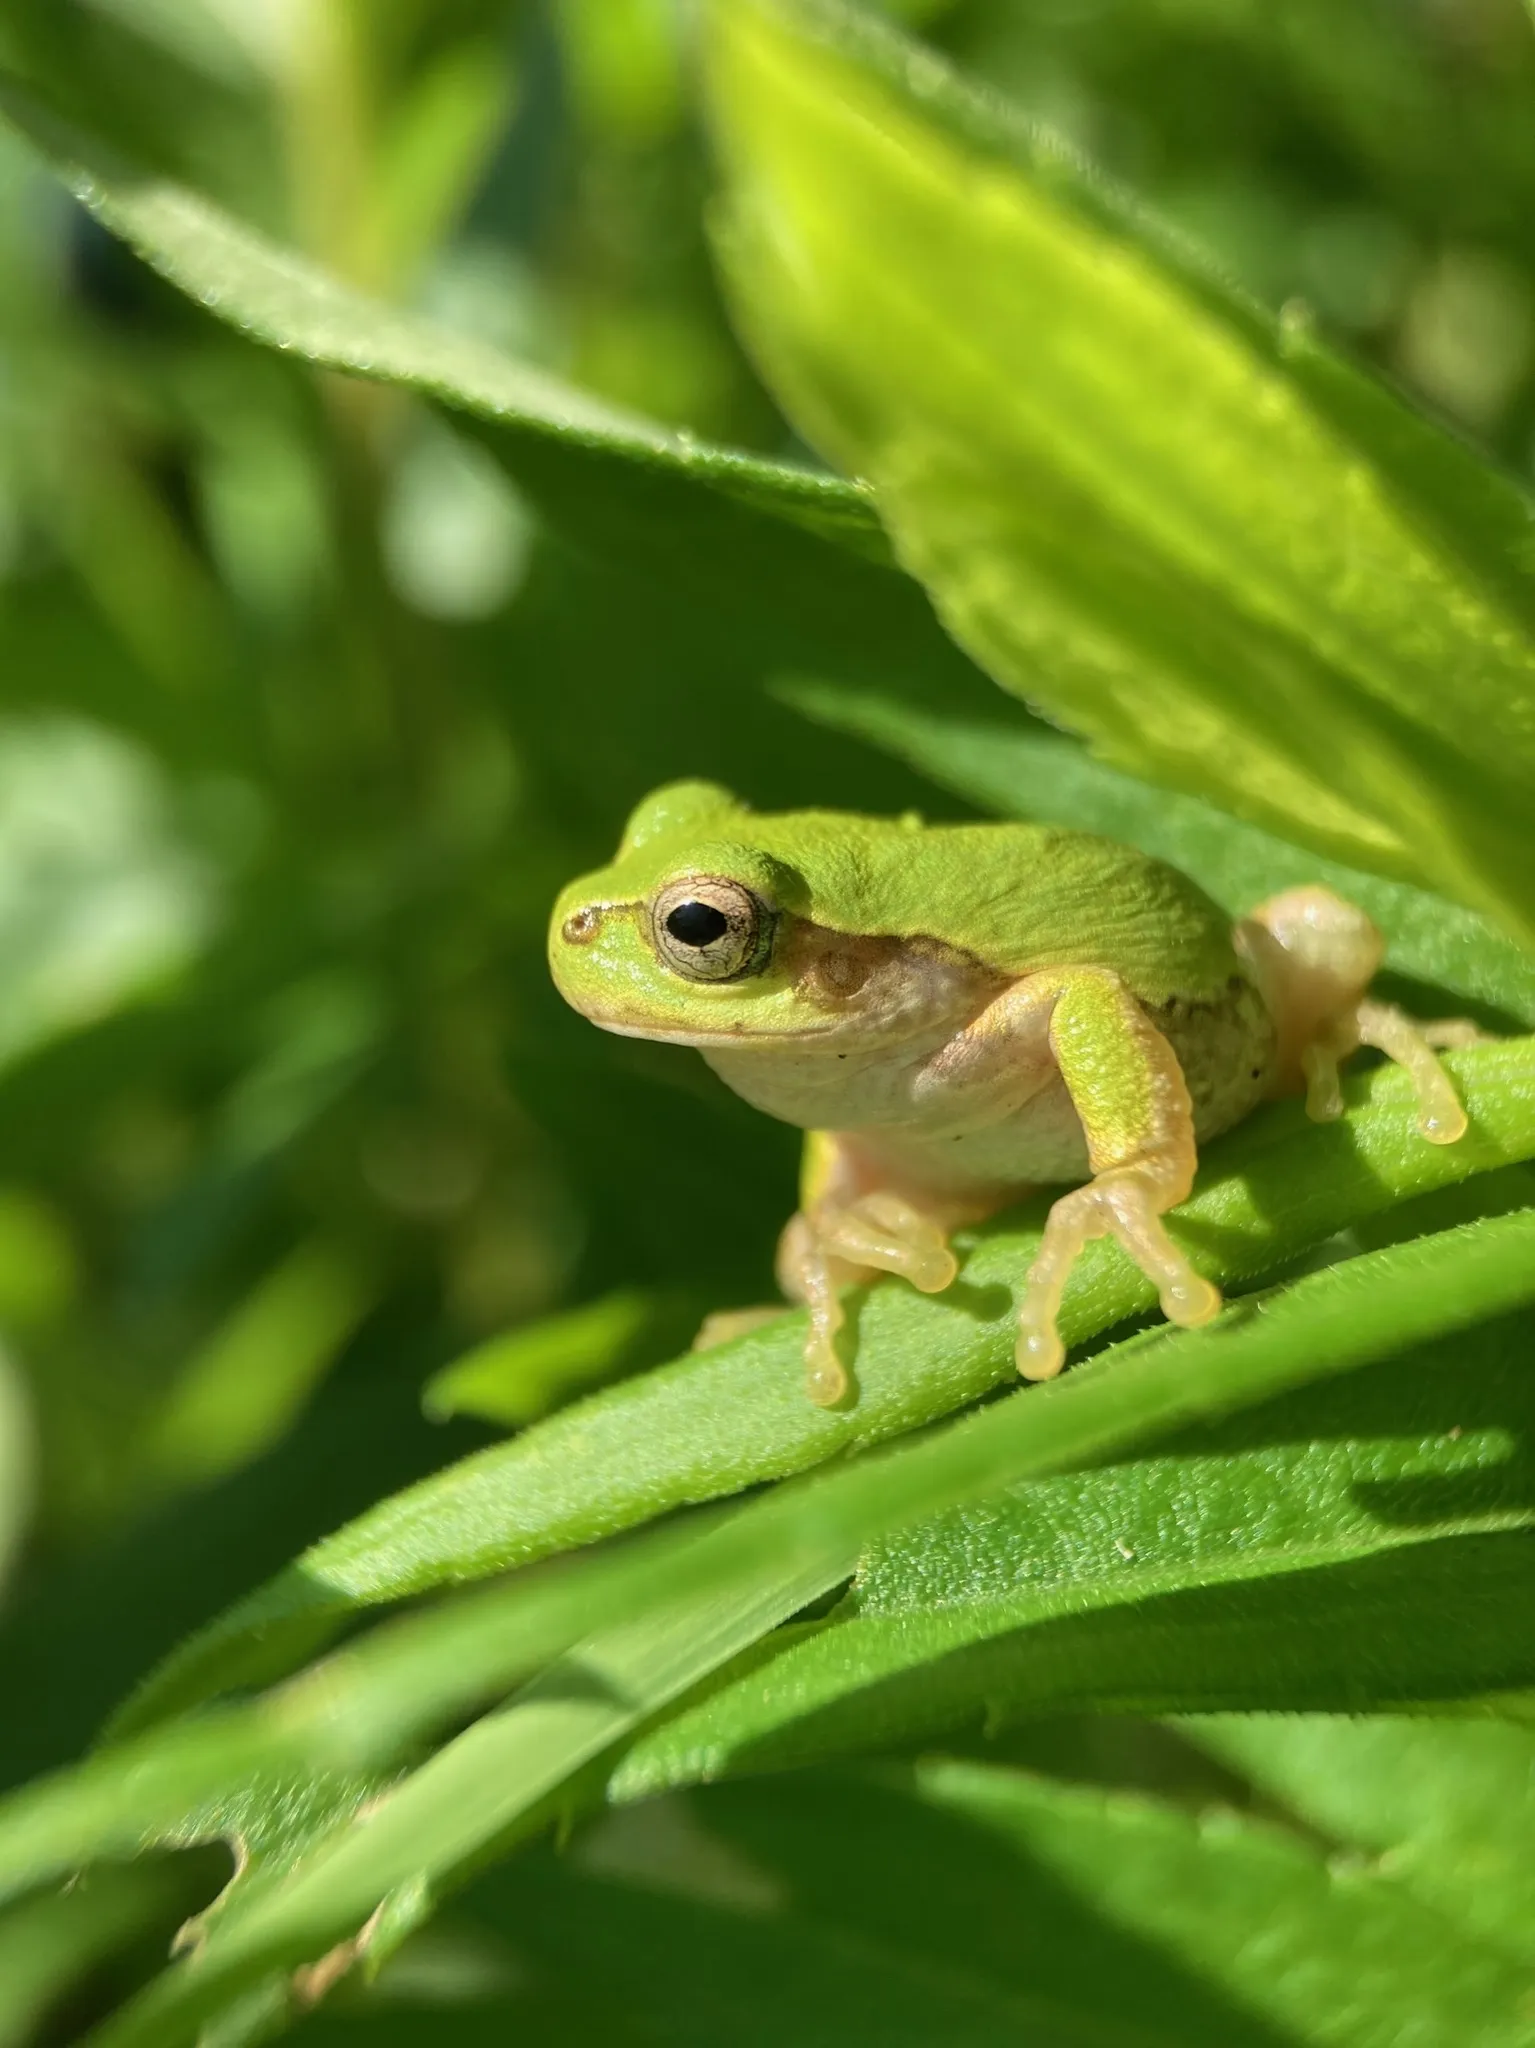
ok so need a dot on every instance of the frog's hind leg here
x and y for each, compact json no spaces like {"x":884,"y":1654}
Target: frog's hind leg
{"x":843,"y":1234}
{"x":1314,"y":956}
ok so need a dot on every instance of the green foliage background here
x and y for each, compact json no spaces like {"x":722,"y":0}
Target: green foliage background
{"x":411,"y":427}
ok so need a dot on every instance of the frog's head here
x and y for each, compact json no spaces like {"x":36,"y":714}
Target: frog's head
{"x":700,"y":932}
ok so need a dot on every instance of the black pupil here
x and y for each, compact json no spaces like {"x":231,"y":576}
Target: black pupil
{"x":697,"y":924}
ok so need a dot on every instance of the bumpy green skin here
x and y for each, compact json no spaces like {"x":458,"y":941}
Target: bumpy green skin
{"x":1018,"y":898}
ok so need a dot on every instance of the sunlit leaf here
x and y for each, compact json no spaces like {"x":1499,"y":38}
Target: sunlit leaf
{"x":1179,"y":526}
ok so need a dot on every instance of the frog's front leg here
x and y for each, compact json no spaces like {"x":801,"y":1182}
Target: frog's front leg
{"x":1129,"y":1095}
{"x":844,"y":1231}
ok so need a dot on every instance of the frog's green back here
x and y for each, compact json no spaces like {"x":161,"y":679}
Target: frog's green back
{"x":1019,"y":897}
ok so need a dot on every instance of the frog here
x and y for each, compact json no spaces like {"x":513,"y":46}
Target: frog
{"x":961,"y":1014}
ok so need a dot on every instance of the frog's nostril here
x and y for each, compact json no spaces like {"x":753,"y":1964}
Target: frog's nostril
{"x":582,"y":926}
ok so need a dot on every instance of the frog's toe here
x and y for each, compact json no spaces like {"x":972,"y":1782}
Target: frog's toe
{"x":1126,"y":1204}
{"x":826,"y":1380}
{"x":1441,"y":1114}
{"x":884,"y":1233}
{"x":1040,"y":1352}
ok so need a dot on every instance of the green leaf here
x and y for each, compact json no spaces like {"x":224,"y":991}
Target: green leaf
{"x":519,"y":1376}
{"x":1323,"y":1954}
{"x":1364,"y":1543}
{"x":470,"y":1796}
{"x":713,"y":1422}
{"x":239,"y":1395}
{"x":1017,"y":769}
{"x":1177,"y":525}
{"x":16,"y":1461}
{"x":946,"y":1905}
{"x":50,"y":1942}
{"x":694,"y":1605}
{"x":1447,"y":1806}
{"x":277,"y":297}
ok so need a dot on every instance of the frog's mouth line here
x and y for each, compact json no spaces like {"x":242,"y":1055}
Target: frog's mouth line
{"x":710,"y":1041}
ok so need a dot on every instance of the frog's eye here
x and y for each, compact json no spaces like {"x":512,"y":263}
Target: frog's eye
{"x":710,"y":929}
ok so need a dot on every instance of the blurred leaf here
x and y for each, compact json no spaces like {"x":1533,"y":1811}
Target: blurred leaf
{"x":1358,"y":1544}
{"x":50,"y":1942}
{"x":452,"y":117}
{"x":719,"y":1420}
{"x":522,"y":1374}
{"x":816,"y":1910}
{"x":1446,"y":1806}
{"x":1186,"y":530}
{"x":1022,"y":771}
{"x":276,"y":297}
{"x":99,"y":898}
{"x":16,"y":1460}
{"x":241,"y":1393}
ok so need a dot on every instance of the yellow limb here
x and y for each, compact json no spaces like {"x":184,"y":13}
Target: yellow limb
{"x":1130,"y":1096}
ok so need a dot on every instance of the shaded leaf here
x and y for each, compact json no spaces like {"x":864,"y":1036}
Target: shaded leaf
{"x":1018,"y":770}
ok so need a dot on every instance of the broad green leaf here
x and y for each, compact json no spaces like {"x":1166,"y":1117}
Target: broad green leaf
{"x":947,"y":1905}
{"x":1367,"y":1542}
{"x":756,"y":1568}
{"x":1022,"y":771}
{"x":713,"y":1422}
{"x":1178,"y":526}
{"x":1446,"y":1806}
{"x":694,"y":1604}
{"x":817,"y":1909}
{"x":1321,"y":1954}
{"x":277,"y":297}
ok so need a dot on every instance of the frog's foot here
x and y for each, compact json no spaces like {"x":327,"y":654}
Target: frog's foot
{"x":1126,"y":1203}
{"x":1314,"y":956}
{"x":721,"y":1324}
{"x":1411,"y":1045}
{"x":838,"y":1243}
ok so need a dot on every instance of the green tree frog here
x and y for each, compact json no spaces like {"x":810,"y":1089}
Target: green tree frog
{"x":957,"y":1014}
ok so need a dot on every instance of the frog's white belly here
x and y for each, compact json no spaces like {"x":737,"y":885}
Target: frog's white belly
{"x":1016,"y":1129}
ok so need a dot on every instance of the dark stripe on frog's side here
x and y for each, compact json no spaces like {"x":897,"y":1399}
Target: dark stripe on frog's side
{"x":1226,"y":1047}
